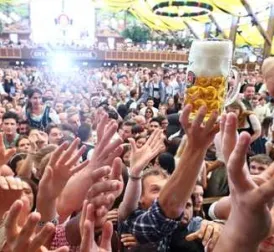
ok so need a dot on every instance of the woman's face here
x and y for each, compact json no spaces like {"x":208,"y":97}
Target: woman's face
{"x":36,"y":100}
{"x":198,"y":194}
{"x":126,"y":158}
{"x":233,"y":110}
{"x":170,"y":101}
{"x":149,"y":113}
{"x":27,"y":193}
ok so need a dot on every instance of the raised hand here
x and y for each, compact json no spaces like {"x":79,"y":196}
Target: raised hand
{"x":87,"y":225}
{"x":229,"y":135}
{"x":62,"y":165}
{"x":103,"y":193}
{"x":249,"y":221}
{"x":5,"y":154}
{"x":112,"y":216}
{"x":106,"y":149}
{"x":129,"y":241}
{"x":209,"y":233}
{"x":10,"y":190}
{"x":23,"y":238}
{"x":140,"y":158}
{"x":199,"y":134}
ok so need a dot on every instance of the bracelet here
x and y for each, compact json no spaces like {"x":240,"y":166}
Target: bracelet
{"x":219,"y":222}
{"x":134,"y":178}
{"x":55,"y":222}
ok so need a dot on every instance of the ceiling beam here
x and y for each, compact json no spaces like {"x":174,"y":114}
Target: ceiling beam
{"x":192,"y":30}
{"x":270,"y":32}
{"x":212,"y":18}
{"x":258,"y":24}
{"x":233,"y":29}
{"x":208,"y":27}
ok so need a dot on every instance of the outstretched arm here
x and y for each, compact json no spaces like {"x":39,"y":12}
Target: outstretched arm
{"x":139,"y":159}
{"x":178,"y":189}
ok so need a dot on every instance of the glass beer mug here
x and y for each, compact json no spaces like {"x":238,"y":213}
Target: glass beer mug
{"x":210,"y":67}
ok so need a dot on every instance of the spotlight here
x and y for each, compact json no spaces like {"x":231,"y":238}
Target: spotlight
{"x":61,"y":63}
{"x":85,"y":63}
{"x":17,"y":62}
{"x":240,"y":61}
{"x":252,"y":58}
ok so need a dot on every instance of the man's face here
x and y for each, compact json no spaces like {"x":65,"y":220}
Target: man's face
{"x":126,"y":132}
{"x":249,"y":93}
{"x":9,"y":127}
{"x":188,"y":212}
{"x":59,"y":107}
{"x":164,"y":124}
{"x":166,"y":81}
{"x":257,"y":168}
{"x":23,"y":129}
{"x":155,"y":77}
{"x":150,"y":103}
{"x":152,"y":186}
{"x":153,"y":126}
{"x":55,"y":136}
{"x":198,"y":194}
{"x":75,"y":121}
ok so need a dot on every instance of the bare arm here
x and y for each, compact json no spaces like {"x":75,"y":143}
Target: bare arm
{"x":178,"y":189}
{"x":139,"y":159}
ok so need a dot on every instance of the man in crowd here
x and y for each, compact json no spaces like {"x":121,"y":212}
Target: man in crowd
{"x":9,"y":127}
{"x":249,"y":92}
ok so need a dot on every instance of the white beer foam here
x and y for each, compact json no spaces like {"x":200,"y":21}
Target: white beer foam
{"x":210,"y":58}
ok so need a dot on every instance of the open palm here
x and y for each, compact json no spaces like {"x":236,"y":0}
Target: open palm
{"x":140,"y":158}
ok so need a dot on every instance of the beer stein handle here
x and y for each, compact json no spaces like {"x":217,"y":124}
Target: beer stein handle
{"x":233,"y":92}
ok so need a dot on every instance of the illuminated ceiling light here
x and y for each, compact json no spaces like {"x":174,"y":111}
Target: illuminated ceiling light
{"x":200,"y":8}
{"x":252,"y":58}
{"x":240,"y":61}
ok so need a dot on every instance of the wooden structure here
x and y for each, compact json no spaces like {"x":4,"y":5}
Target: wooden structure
{"x":94,"y":55}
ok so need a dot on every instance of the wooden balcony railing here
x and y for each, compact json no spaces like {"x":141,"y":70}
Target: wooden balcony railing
{"x":94,"y":55}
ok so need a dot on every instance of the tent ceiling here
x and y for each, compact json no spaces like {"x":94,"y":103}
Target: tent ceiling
{"x":222,"y":11}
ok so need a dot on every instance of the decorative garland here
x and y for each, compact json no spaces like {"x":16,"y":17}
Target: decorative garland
{"x":205,"y":8}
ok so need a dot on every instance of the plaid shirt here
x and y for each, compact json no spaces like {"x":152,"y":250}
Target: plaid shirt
{"x":150,"y":226}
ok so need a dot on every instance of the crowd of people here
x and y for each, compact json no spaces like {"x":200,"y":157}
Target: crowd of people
{"x":108,"y":159}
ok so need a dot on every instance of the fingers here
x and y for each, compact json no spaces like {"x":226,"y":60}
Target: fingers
{"x":42,"y":237}
{"x":133,"y":146}
{"x":128,"y":240}
{"x":211,"y":123}
{"x":12,"y":219}
{"x":229,"y":135}
{"x":62,"y":249}
{"x":116,"y":171}
{"x":106,"y":236}
{"x":215,"y":237}
{"x":79,"y":167}
{"x":83,"y":216}
{"x":103,"y":187}
{"x":184,"y":118}
{"x":100,"y":173}
{"x":28,"y":229}
{"x":116,"y":153}
{"x":198,"y":120}
{"x":57,"y":154}
{"x":222,"y":124}
{"x":86,"y":237}
{"x":101,"y":126}
{"x":208,"y":234}
{"x":9,"y":153}
{"x":265,"y":193}
{"x":237,"y":173}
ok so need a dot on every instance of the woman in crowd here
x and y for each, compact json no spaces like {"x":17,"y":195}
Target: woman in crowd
{"x":37,"y":114}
